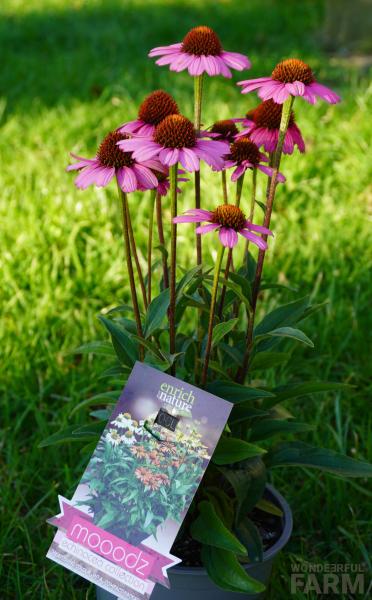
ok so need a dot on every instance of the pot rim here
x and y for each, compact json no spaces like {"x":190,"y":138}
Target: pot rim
{"x":268,"y":554}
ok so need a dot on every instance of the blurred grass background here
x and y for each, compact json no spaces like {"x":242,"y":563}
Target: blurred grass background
{"x":71,"y":71}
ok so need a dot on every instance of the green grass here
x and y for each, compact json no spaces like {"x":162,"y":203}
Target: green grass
{"x":70,"y":71}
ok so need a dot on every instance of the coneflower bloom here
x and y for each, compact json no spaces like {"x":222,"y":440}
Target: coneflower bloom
{"x":155,"y":107}
{"x":175,"y":140}
{"x":262,"y":126}
{"x":228,"y":220}
{"x":110,"y":161}
{"x":224,"y":130}
{"x":244,"y":154}
{"x":200,"y":52}
{"x":290,"y":77}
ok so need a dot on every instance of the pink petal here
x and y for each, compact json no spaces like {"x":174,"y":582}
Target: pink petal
{"x":169,"y":59}
{"x":182,"y":62}
{"x":259,"y":228}
{"x":228,"y":237}
{"x":207,"y":228}
{"x":324,"y":92}
{"x":160,"y":50}
{"x":269,"y":171}
{"x":254,"y":238}
{"x":297,"y":88}
{"x":82,"y":162}
{"x":169,"y":156}
{"x":239,"y":171}
{"x":236,"y":61}
{"x":189,"y":160}
{"x":145,"y":177}
{"x":223,"y":68}
{"x":127,"y":179}
{"x":195,"y":67}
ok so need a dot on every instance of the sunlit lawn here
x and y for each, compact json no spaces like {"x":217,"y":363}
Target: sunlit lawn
{"x":70,"y":71}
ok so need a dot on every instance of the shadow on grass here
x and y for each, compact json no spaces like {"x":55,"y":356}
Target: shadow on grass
{"x":52,"y":57}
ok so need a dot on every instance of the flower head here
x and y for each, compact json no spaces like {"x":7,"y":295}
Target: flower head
{"x":290,"y":77}
{"x":200,"y":52}
{"x":175,"y":140}
{"x":114,"y":437}
{"x":111,"y":161}
{"x":262,"y":127}
{"x":228,"y":220}
{"x":155,"y":107}
{"x":244,"y":154}
{"x":224,"y":130}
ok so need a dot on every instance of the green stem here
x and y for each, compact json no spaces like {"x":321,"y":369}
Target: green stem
{"x":173,"y":263}
{"x":136,"y":259}
{"x":159,"y":220}
{"x":128,"y":258}
{"x":284,"y":122}
{"x":252,"y":207}
{"x":239,"y":188}
{"x":224,"y":187}
{"x":217,"y":270}
{"x":149,"y":244}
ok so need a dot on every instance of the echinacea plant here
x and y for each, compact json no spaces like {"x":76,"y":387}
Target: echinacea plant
{"x":210,"y":328}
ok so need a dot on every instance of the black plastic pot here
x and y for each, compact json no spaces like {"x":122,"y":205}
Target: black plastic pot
{"x":193,"y":582}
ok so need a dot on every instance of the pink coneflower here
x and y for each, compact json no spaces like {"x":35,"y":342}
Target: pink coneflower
{"x":110,"y":161}
{"x":175,"y":140}
{"x":224,"y":130}
{"x":290,"y":77}
{"x":228,"y":220}
{"x":262,"y":126}
{"x":155,"y":107}
{"x":200,"y":52}
{"x":244,"y":154}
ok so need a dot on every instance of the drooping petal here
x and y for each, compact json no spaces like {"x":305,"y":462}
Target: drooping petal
{"x":207,"y":228}
{"x":228,"y":237}
{"x":239,"y":171}
{"x":145,"y":176}
{"x":258,"y":228}
{"x":324,"y":92}
{"x":160,"y":50}
{"x":297,"y":88}
{"x":281,"y":94}
{"x":127,"y":179}
{"x":223,"y":68}
{"x":189,"y":160}
{"x":236,"y":61}
{"x":253,"y":84}
{"x":169,"y":156}
{"x":97,"y":175}
{"x":169,"y":59}
{"x":82,"y":162}
{"x":269,"y":171}
{"x":195,"y":67}
{"x":297,"y":137}
{"x":255,"y":239}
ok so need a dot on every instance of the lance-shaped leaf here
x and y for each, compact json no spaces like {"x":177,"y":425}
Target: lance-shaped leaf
{"x":209,"y":529}
{"x":288,"y":332}
{"x":282,"y":316}
{"x":297,"y":390}
{"x":227,"y":573}
{"x":266,"y":428}
{"x":267,"y":360}
{"x":304,"y":455}
{"x":235,"y":392}
{"x":248,"y":484}
{"x":249,"y":535}
{"x":222,"y":329}
{"x":75,"y":434}
{"x":230,"y":450}
{"x":156,"y":313}
{"x":123,"y":345}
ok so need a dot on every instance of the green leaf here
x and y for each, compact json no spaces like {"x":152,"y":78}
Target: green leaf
{"x":242,"y":412}
{"x":123,"y":345}
{"x":99,"y":347}
{"x":227,"y":573}
{"x":209,"y":529}
{"x":249,"y":535}
{"x":231,"y":285}
{"x":304,"y":455}
{"x":269,"y":507}
{"x":248,"y":484}
{"x":74,"y":434}
{"x":282,"y":316}
{"x":184,"y":282}
{"x":235,"y":392}
{"x":97,"y":399}
{"x":156,"y":313}
{"x":267,"y":360}
{"x":266,"y":428}
{"x":297,"y":390}
{"x":244,"y":284}
{"x":222,"y":329}
{"x":288,"y":332}
{"x":231,"y":450}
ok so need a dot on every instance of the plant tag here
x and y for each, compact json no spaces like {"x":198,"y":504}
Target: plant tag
{"x":118,"y":529}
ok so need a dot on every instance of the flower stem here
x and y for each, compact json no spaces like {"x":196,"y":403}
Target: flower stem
{"x":173,"y":263}
{"x":284,"y":122}
{"x":159,"y":220}
{"x":136,"y":259}
{"x":252,"y":207}
{"x":224,"y":187}
{"x":198,"y":94}
{"x":239,"y":188}
{"x":128,"y":258}
{"x":217,"y":270}
{"x":149,"y":244}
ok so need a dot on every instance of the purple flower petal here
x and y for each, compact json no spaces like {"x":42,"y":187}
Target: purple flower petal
{"x":196,"y":67}
{"x":82,"y":162}
{"x":236,"y":61}
{"x":323,"y":92}
{"x":297,"y":88}
{"x":239,"y":171}
{"x":207,"y":228}
{"x":189,"y":160}
{"x":223,"y":68}
{"x":169,"y":156}
{"x":160,"y":50}
{"x":258,"y":241}
{"x":127,"y":179}
{"x":269,"y":171}
{"x":228,"y":237}
{"x":259,"y":228}
{"x":145,"y":177}
{"x":169,"y":59}
{"x":281,"y":94}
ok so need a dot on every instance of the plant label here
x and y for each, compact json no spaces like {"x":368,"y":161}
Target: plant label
{"x":118,"y":529}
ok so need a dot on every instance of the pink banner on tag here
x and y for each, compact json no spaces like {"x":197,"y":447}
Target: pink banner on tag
{"x":109,"y":546}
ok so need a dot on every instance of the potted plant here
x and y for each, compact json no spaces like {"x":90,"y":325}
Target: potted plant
{"x":206,"y":325}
